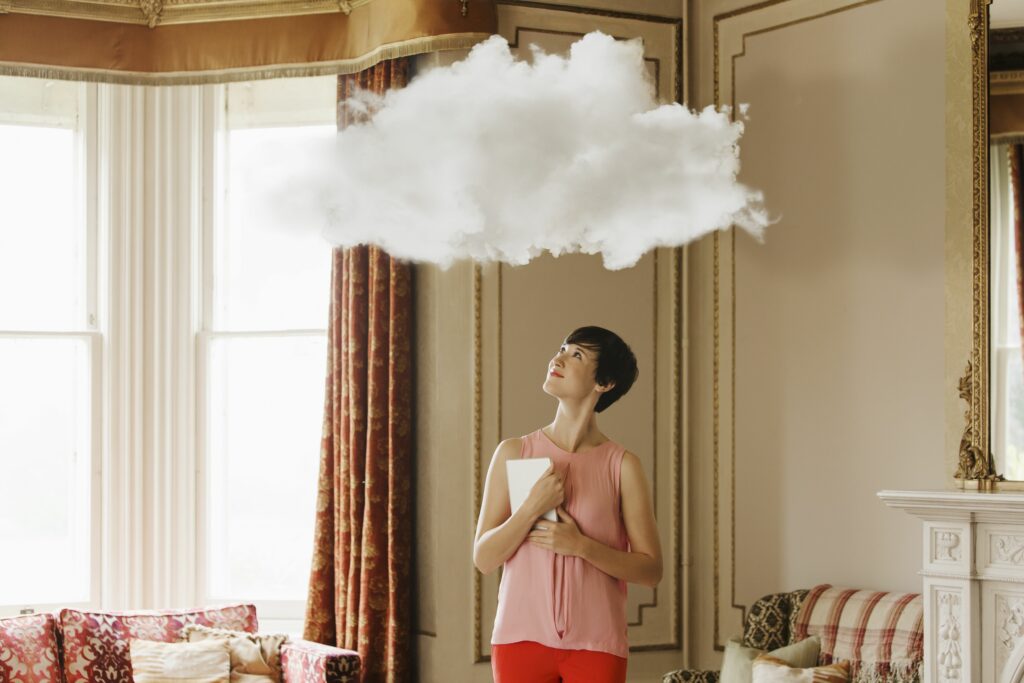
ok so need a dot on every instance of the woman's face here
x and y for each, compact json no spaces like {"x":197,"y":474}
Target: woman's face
{"x":571,"y":372}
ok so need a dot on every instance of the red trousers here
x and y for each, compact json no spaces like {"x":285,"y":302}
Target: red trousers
{"x":529,"y":662}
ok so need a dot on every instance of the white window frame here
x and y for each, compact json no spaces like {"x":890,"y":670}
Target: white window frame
{"x":93,"y":335}
{"x":279,"y":615}
{"x":149,"y":162}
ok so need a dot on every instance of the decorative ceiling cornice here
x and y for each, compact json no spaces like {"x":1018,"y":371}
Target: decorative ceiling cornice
{"x":166,"y":12}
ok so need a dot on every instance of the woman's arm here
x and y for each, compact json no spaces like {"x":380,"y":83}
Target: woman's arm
{"x":642,"y":563}
{"x":499,"y":533}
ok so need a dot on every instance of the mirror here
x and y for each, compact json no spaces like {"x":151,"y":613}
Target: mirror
{"x":1005,"y":217}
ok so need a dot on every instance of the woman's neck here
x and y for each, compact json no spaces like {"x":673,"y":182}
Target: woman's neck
{"x":574,"y":429}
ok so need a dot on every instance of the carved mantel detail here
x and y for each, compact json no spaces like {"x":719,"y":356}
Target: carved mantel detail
{"x":1010,"y":629}
{"x":1008,"y":549}
{"x":946,"y":544}
{"x":950,"y":657}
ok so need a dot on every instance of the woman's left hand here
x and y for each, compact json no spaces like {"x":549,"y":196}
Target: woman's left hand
{"x":563,"y":538}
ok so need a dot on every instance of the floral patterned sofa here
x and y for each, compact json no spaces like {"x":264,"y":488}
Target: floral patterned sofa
{"x":880,"y":633}
{"x":76,"y":646}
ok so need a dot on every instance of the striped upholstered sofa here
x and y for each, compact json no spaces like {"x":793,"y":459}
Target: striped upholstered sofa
{"x":881,"y":634}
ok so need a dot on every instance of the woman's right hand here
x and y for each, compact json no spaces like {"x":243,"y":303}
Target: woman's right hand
{"x":547,"y":493}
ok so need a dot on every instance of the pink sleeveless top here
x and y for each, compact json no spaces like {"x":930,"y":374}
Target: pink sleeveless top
{"x":561,"y":601}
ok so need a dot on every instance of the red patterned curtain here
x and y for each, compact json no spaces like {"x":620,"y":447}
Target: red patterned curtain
{"x":1016,"y":166}
{"x":360,"y":594}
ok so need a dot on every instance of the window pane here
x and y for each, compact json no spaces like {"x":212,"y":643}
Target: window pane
{"x":265,"y":411}
{"x":1013,"y":298}
{"x":282,"y":102}
{"x":1015,"y":412}
{"x":42,"y":248}
{"x":267,"y":274}
{"x":44,"y":470}
{"x":39,"y":102}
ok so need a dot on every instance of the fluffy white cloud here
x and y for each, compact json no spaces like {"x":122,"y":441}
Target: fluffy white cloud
{"x":495,"y":158}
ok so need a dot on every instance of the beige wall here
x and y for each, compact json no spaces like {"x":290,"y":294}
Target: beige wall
{"x":838,"y":331}
{"x":838,"y":338}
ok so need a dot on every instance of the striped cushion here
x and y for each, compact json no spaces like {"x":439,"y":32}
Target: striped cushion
{"x":881,"y":634}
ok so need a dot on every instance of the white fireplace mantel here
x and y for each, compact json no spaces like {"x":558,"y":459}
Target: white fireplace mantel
{"x":973,"y":583}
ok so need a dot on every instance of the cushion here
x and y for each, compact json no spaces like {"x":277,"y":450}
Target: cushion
{"x":158,"y":662}
{"x":28,"y":649}
{"x":767,"y":625}
{"x":768,"y":669}
{"x":96,"y":643}
{"x":302,"y":660}
{"x":738,"y":660}
{"x":255,"y":658}
{"x":880,"y":634}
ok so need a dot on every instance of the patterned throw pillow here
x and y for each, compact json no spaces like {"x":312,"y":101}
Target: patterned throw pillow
{"x":28,"y":650}
{"x":768,"y":669}
{"x":157,"y":662}
{"x":96,"y":643}
{"x":255,"y":658}
{"x":305,"y":661}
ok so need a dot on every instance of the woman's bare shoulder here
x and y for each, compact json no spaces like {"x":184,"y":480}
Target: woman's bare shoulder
{"x":631,"y":469}
{"x":509,"y":449}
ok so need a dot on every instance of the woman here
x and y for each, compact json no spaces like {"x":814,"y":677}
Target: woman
{"x":562,"y":602}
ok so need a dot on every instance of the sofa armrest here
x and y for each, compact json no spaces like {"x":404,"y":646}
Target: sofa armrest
{"x":303,"y":661}
{"x":690,"y":676}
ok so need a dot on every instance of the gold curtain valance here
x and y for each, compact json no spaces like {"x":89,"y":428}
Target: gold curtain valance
{"x":212,"y":51}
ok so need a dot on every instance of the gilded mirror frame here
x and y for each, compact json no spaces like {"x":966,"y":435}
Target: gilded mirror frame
{"x":975,"y":466}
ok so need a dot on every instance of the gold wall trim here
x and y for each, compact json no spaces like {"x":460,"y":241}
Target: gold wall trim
{"x":519,"y":29}
{"x":716,"y":297}
{"x":678,"y":457}
{"x":382,"y":53}
{"x":478,"y":418}
{"x":654,"y":413}
{"x":678,"y":81}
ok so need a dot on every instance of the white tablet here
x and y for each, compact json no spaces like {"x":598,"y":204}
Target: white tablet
{"x":522,"y":475}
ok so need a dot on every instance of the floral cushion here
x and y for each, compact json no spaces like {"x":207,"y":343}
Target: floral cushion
{"x":28,"y":650}
{"x":310,"y":662}
{"x":96,"y":643}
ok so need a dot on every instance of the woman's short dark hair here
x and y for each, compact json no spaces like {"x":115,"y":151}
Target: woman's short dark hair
{"x":615,"y":361}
